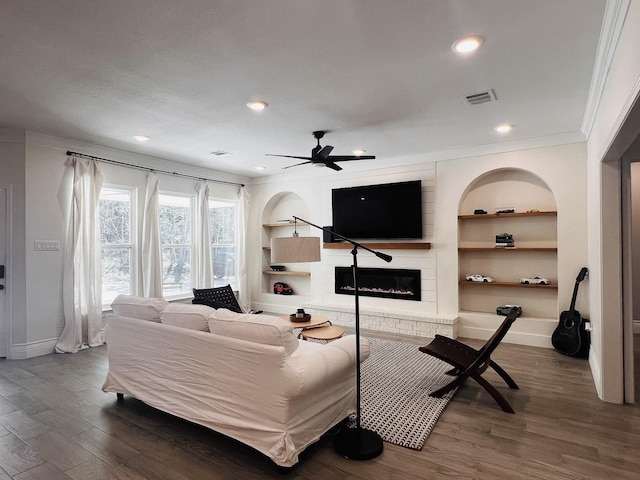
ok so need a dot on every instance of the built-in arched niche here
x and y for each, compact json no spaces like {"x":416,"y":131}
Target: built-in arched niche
{"x":533,"y":225}
{"x":280,"y":209}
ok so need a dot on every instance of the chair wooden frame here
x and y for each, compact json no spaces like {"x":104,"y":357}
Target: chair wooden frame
{"x":471,"y":363}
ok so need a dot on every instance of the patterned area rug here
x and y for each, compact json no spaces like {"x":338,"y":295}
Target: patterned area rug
{"x":395,"y":384}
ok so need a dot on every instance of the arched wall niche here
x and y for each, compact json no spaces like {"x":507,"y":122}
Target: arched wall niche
{"x":284,"y":205}
{"x":535,"y":238}
{"x":514,"y":188}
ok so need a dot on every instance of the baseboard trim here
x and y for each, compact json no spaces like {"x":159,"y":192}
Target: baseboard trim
{"x":23,"y":351}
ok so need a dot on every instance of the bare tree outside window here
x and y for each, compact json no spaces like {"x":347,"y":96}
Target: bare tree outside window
{"x":116,"y":241}
{"x":223,"y":222}
{"x":175,"y":235}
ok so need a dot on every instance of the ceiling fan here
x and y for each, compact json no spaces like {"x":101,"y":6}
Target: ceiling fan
{"x":320,"y":155}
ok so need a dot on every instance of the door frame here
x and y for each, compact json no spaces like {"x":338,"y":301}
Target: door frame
{"x":5,"y":316}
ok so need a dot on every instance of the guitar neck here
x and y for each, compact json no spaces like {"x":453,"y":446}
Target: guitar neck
{"x":573,"y":298}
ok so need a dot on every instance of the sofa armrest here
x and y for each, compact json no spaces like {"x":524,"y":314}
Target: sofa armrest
{"x":318,"y":366}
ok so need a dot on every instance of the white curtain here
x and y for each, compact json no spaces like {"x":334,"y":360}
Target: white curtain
{"x":151,"y":244}
{"x":202,"y":275}
{"x":82,"y":269}
{"x":243,"y":215}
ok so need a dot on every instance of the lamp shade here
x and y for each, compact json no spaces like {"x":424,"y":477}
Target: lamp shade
{"x":295,"y":249}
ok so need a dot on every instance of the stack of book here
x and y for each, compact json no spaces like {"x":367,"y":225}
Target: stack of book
{"x":505,"y":240}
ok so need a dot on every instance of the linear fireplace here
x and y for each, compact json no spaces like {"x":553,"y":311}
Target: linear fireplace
{"x":395,"y":283}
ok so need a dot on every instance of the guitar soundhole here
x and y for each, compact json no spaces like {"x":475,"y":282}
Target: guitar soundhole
{"x":568,"y":323}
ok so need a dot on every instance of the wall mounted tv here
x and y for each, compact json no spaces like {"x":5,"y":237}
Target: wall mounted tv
{"x":386,"y":211}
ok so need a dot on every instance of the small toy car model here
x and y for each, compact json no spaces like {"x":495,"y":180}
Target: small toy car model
{"x":506,"y":210}
{"x":534,"y":281}
{"x":479,"y":211}
{"x":478,"y":278}
{"x":282,"y":288}
{"x":505,"y":309}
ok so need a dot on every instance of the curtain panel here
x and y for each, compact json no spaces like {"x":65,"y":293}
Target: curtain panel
{"x":203,"y":275}
{"x":151,"y":246}
{"x":82,"y":258}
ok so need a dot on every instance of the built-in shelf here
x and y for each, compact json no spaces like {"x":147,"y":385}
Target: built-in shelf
{"x":506,"y":284}
{"x":516,"y":249}
{"x":381,"y":245}
{"x":508,"y":215}
{"x":287,"y":272}
{"x":290,"y":224}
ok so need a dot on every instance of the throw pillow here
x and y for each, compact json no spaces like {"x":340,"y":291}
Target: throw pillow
{"x":194,"y":317}
{"x":142,"y":308}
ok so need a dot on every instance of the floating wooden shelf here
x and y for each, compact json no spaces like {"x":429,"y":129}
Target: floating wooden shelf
{"x":517,"y":249}
{"x":508,"y":215}
{"x":287,"y":272}
{"x":381,"y":246}
{"x":506,"y":284}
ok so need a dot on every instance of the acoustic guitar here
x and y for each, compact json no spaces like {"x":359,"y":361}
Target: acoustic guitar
{"x":570,"y":336}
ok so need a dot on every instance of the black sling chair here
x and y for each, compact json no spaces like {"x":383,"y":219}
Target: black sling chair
{"x":468,"y":362}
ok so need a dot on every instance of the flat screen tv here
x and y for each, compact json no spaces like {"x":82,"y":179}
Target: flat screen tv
{"x":386,"y":211}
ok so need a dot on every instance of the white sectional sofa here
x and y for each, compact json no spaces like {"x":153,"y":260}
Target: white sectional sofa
{"x":243,"y":375}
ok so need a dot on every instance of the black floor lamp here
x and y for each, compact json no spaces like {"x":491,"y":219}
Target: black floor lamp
{"x":354,"y":443}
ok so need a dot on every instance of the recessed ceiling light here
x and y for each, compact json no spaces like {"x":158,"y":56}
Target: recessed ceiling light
{"x":257,"y":105}
{"x":359,"y":151}
{"x":261,"y":167}
{"x":504,"y":128}
{"x":142,"y":138}
{"x":467,"y":44}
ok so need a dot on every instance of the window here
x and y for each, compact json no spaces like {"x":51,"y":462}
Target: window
{"x":223,"y":219}
{"x":117,"y":243}
{"x":175,"y":236}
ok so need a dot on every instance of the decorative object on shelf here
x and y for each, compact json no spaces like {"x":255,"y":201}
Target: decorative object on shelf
{"x":284,"y":220}
{"x":505,"y":210}
{"x":282,"y":288}
{"x":479,"y":211}
{"x":505,"y":309}
{"x":356,"y":443}
{"x":278,"y":268}
{"x":534,"y":281}
{"x":504,"y":240}
{"x":533,"y":210}
{"x":474,"y":277}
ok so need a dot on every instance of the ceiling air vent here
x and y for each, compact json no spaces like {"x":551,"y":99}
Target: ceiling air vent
{"x":221,"y":153}
{"x":480,"y":97}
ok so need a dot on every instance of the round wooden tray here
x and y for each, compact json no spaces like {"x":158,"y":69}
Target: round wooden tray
{"x":305,"y":318}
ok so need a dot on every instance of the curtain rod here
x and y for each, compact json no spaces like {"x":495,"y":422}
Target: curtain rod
{"x":149,"y":169}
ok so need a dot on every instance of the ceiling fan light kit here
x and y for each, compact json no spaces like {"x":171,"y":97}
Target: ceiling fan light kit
{"x":320,"y":156}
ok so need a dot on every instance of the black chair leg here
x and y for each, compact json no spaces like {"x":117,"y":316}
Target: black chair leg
{"x":505,"y":376}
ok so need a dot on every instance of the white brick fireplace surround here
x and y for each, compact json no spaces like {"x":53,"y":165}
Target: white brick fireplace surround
{"x":405,"y":322}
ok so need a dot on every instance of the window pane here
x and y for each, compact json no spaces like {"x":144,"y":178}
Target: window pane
{"x":224,"y":265}
{"x":223,"y":242}
{"x":176,"y":270}
{"x":115,"y":216}
{"x":175,"y":220}
{"x":116,"y":273}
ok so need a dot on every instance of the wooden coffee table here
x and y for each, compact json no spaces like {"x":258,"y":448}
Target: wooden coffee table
{"x":328,"y":333}
{"x":315,"y":321}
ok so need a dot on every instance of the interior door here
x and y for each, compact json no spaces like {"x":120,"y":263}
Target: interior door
{"x":4,"y":322}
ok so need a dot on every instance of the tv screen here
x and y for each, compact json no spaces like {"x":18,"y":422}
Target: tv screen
{"x":386,"y":211}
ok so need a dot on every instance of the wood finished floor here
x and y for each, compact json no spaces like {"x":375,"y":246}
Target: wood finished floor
{"x":56,"y":423}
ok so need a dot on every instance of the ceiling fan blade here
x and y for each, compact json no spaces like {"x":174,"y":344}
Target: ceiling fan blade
{"x":333,"y":166}
{"x":287,"y":156}
{"x":323,"y":154}
{"x":303,"y":163}
{"x":345,"y":158}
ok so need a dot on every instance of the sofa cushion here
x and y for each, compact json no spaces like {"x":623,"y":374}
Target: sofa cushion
{"x":194,"y":317}
{"x":264,"y":329}
{"x":142,"y":308}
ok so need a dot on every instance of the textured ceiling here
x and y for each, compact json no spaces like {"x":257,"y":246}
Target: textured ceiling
{"x":378,"y":74}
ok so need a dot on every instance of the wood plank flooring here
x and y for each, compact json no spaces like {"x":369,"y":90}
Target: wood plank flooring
{"x":56,"y":423}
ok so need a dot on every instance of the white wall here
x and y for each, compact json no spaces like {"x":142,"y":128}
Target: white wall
{"x":444,"y":183}
{"x":620,"y":92}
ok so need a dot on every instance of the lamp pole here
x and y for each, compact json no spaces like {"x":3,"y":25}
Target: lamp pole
{"x":356,"y":443}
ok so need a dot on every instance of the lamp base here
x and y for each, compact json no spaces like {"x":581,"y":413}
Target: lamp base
{"x":357,"y":443}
